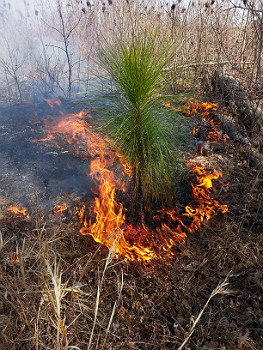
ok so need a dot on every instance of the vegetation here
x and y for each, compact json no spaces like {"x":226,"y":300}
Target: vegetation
{"x":60,"y":290}
{"x":135,"y":120}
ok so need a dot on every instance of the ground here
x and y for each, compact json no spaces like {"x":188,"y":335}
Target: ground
{"x":61,"y":290}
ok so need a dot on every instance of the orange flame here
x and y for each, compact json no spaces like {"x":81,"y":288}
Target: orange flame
{"x":20,"y":213}
{"x":14,"y":259}
{"x":52,"y":103}
{"x":124,"y":162}
{"x":81,"y":213}
{"x":143,"y":243}
{"x":73,"y":131}
{"x":167,"y":105}
{"x":58,"y":209}
{"x":36,"y":75}
{"x":204,"y":109}
{"x":107,"y":223}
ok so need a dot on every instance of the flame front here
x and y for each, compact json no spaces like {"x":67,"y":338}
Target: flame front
{"x":107,"y":224}
{"x":74,"y":131}
{"x":143,"y":243}
{"x":52,"y":103}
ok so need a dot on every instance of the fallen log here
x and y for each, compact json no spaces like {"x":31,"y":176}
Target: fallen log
{"x":234,"y":94}
{"x":231,"y":130}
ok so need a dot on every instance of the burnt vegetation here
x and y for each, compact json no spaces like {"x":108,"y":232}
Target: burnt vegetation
{"x":131,"y":191}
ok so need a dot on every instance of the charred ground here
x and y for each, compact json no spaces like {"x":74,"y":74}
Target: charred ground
{"x":30,"y":170}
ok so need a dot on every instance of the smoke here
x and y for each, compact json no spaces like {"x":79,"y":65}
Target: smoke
{"x":42,"y":51}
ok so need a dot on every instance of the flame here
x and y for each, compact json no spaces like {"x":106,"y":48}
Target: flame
{"x":59,"y":209}
{"x":81,"y":213}
{"x":74,"y":131}
{"x":106,"y":222}
{"x":204,"y":109}
{"x":124,"y":162}
{"x":167,"y":105}
{"x":20,"y":213}
{"x":34,"y":122}
{"x":143,"y":243}
{"x":52,"y":103}
{"x":14,"y":259}
{"x":36,"y":76}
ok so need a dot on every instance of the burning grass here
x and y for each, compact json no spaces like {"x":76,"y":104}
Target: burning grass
{"x":107,"y":221}
{"x":61,"y":290}
{"x":19,"y":212}
{"x":144,"y":243}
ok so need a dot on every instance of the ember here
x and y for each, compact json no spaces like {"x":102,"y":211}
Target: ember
{"x":19,"y":213}
{"x":14,"y":259}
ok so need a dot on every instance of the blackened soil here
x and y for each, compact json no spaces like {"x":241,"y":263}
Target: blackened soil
{"x":37,"y":169}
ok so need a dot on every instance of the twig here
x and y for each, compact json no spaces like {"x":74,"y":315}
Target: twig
{"x":220,"y":289}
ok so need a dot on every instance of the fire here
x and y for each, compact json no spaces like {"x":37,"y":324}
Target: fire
{"x":52,"y":103}
{"x":109,"y":214}
{"x":126,"y":166}
{"x":14,"y":259}
{"x":59,"y":209}
{"x":168,"y":105}
{"x":74,"y":131}
{"x":20,"y":213}
{"x":106,"y":222}
{"x":144,"y":243}
{"x":81,"y":212}
{"x":204,"y":109}
{"x":36,"y":76}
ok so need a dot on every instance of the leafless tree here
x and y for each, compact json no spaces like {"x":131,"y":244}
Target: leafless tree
{"x":12,"y":65}
{"x":65,"y":31}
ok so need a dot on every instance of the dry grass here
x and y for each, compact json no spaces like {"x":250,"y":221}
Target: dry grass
{"x":44,"y":299}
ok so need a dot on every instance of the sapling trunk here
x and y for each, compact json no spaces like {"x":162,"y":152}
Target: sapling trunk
{"x":138,"y":166}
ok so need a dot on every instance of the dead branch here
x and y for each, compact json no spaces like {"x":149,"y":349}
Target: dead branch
{"x":232,"y":92}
